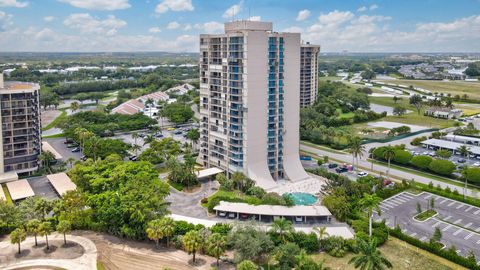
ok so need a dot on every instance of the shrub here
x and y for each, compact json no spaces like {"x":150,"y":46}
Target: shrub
{"x":182,"y":227}
{"x":308,"y":242}
{"x":221,"y":228}
{"x":443,"y":167}
{"x":418,"y":141}
{"x":256,"y":191}
{"x":473,"y":175}
{"x":378,"y":153}
{"x":402,"y":157}
{"x":421,"y":162}
{"x":273,"y":198}
{"x":335,"y":246}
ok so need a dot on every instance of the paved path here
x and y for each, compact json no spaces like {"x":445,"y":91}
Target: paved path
{"x":383,"y":169}
{"x":188,"y":204}
{"x":87,"y":261}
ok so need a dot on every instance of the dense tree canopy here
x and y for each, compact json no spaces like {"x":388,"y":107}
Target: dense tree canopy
{"x":177,"y":112}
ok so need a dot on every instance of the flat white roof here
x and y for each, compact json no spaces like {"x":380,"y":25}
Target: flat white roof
{"x":208,"y":172}
{"x":47,"y":147}
{"x":61,"y":182}
{"x":2,"y":194}
{"x":452,"y":137}
{"x":451,"y":145}
{"x":274,"y":210}
{"x":8,"y":177}
{"x":20,"y":189}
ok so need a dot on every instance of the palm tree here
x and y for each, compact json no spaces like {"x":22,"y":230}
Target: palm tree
{"x":74,"y":106}
{"x":465,"y":151}
{"x":370,"y":258}
{"x":94,"y":143}
{"x":283,"y":227}
{"x":18,"y":236}
{"x":168,"y":228}
{"x":356,"y":149}
{"x":321,"y":231}
{"x":388,"y":155}
{"x":216,"y":245}
{"x":44,"y":229}
{"x":135,"y":137}
{"x":32,"y":228}
{"x":64,"y":227}
{"x":148,"y":139}
{"x":135,"y":148}
{"x":154,"y":231}
{"x":192,"y":241}
{"x":370,"y":203}
{"x":46,"y":158}
{"x":70,"y":161}
{"x":148,"y":104}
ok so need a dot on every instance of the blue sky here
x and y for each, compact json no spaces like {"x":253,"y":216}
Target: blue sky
{"x":174,"y":25}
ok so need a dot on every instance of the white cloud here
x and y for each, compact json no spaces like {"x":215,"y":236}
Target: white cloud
{"x":233,"y":10}
{"x":293,"y":29}
{"x":255,"y":18}
{"x":155,"y":30}
{"x":174,"y":5}
{"x":210,"y":27}
{"x":45,"y":34}
{"x":48,"y":18}
{"x":373,"y":7}
{"x":303,"y":15}
{"x":362,"y":9}
{"x":173,"y":25}
{"x":13,"y":3}
{"x":5,"y":21}
{"x":335,"y":17}
{"x":98,"y":4}
{"x":187,"y":27}
{"x":87,"y":24}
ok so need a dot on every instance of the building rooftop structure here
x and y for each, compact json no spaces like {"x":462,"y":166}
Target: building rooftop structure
{"x":274,"y":210}
{"x":20,"y":189}
{"x":462,"y":139}
{"x":47,"y":147}
{"x":443,"y":144}
{"x":61,"y":183}
{"x":137,"y":105}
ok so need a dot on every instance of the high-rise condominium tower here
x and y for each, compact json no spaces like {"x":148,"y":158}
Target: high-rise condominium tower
{"x":249,"y":93}
{"x":20,"y":127}
{"x":308,"y":74}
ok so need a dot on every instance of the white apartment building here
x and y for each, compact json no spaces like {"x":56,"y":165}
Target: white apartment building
{"x":249,"y":93}
{"x":308,"y":74}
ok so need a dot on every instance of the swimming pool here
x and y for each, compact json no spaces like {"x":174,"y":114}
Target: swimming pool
{"x":302,"y":198}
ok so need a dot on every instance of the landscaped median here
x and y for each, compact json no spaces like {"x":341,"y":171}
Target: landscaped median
{"x":425,"y":215}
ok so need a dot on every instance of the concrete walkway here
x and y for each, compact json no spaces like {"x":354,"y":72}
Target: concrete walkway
{"x":87,"y":261}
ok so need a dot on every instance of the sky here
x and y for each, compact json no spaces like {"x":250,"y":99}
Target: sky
{"x":174,"y":25}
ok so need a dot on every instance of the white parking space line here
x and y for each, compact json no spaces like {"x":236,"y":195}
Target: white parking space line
{"x":443,"y":201}
{"x":468,"y":236}
{"x":428,"y":196}
{"x":388,"y":205}
{"x":460,"y":206}
{"x":423,"y":238}
{"x":399,"y":199}
{"x":457,"y":221}
{"x":396,"y":201}
{"x":452,"y":203}
{"x":476,"y":212}
{"x":383,"y":208}
{"x":447,"y":218}
{"x":404,"y":230}
{"x":406,"y":195}
{"x":468,"y":225}
{"x":458,"y":231}
{"x":468,"y":209}
{"x":436,"y":224}
{"x":413,"y":235}
{"x":448,"y":227}
{"x":478,"y":242}
{"x":393,"y":205}
{"x":477,"y":229}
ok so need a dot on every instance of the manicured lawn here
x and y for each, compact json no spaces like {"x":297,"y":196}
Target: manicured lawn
{"x":402,"y":255}
{"x":234,"y":195}
{"x":329,"y":78}
{"x":7,"y":194}
{"x":472,"y":89}
{"x":321,"y":147}
{"x":345,"y":115}
{"x":54,"y":136}
{"x":425,"y":215}
{"x":468,"y":109}
{"x":55,"y":121}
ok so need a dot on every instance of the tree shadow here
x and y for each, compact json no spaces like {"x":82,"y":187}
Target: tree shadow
{"x":69,"y":245}
{"x":23,"y":253}
{"x":198,"y":262}
{"x":52,"y":249}
{"x":40,"y":245}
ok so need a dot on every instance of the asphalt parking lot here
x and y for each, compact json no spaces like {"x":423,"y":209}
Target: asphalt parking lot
{"x":459,"y":222}
{"x":58,"y":144}
{"x":453,"y":158}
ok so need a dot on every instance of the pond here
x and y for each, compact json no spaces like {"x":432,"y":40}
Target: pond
{"x":302,"y":198}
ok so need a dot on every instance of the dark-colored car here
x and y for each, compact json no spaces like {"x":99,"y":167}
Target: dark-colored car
{"x":68,"y":141}
{"x":341,"y":170}
{"x":76,"y":149}
{"x":177,"y":132}
{"x":462,"y":160}
{"x":332,"y":165}
{"x":83,"y":158}
{"x":133,"y":158}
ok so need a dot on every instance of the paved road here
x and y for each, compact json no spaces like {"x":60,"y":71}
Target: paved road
{"x":383,"y":169}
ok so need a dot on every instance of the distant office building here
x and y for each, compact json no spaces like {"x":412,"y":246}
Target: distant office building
{"x":308,"y":74}
{"x":20,"y":129}
{"x":249,"y":93}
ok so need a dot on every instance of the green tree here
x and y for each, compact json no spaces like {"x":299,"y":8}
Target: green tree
{"x":194,"y":136}
{"x":46,"y":158}
{"x":154,"y":231}
{"x":177,"y":112}
{"x":249,"y":243}
{"x":399,"y":110}
{"x":247,"y":265}
{"x":135,"y":148}
{"x":18,"y":236}
{"x":356,"y":149}
{"x":437,"y":235}
{"x":33,"y":228}
{"x":445,"y":154}
{"x":216,"y":245}
{"x":64,"y":227}
{"x":192,"y":241}
{"x":370,"y":203}
{"x":43,"y":206}
{"x":370,"y":258}
{"x":305,"y":262}
{"x":282,"y":227}
{"x":464,"y":151}
{"x":168,"y":228}
{"x":388,"y":154}
{"x":74,"y":106}
{"x":44,"y":229}
{"x":417,"y":101}
{"x":321,"y":231}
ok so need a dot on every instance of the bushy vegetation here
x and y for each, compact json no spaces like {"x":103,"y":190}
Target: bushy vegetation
{"x":177,"y":112}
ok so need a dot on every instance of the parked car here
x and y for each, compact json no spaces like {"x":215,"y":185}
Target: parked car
{"x":341,"y":169}
{"x":244,"y":216}
{"x":171,"y":129}
{"x":76,"y":149}
{"x":362,"y":174}
{"x":68,"y":141}
{"x":232,"y":215}
{"x":222,"y":214}
{"x":72,"y":145}
{"x":159,"y":135}
{"x":133,"y":158}
{"x":332,"y":165}
{"x":462,"y":160}
{"x":83,"y":158}
{"x":298,"y":219}
{"x":177,"y":132}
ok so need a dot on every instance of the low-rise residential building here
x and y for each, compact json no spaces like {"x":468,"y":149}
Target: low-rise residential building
{"x":445,"y":113}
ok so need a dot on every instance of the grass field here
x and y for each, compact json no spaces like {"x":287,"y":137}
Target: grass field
{"x":472,"y":89}
{"x":402,"y":255}
{"x":55,"y":121}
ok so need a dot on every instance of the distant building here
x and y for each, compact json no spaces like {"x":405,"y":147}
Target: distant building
{"x":445,"y":113}
{"x":20,"y":128}
{"x":308,"y":74}
{"x":181,"y":89}
{"x":139,"y":105}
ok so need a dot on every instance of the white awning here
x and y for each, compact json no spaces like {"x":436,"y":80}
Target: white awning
{"x":208,"y":172}
{"x":20,"y":189}
{"x":274,"y":210}
{"x":61,"y":183}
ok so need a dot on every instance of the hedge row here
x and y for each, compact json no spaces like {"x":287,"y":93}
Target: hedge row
{"x":448,"y":194}
{"x":448,"y":254}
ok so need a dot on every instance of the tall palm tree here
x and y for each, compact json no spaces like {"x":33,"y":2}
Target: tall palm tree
{"x":148,"y":103}
{"x":465,"y":151}
{"x":370,"y":203}
{"x":135,"y":148}
{"x":45,"y":229}
{"x":18,"y":236}
{"x":192,"y":241}
{"x":356,"y":149}
{"x":94,"y":143}
{"x":216,"y":245}
{"x":321,"y":231}
{"x":148,"y":139}
{"x":32,"y":228}
{"x":388,"y":155}
{"x":283,"y":227}
{"x":135,"y":137}
{"x":168,"y":228}
{"x":370,"y":258}
{"x":154,"y":231}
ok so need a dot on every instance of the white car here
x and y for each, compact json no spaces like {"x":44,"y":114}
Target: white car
{"x":362,"y":174}
{"x":222,"y":214}
{"x":298,"y":219}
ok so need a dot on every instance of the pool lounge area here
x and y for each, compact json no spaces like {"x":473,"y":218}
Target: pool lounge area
{"x":303,"y":198}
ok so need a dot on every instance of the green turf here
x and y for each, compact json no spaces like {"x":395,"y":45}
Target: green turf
{"x":55,"y":121}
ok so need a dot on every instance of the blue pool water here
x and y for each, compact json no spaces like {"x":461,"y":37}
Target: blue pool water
{"x":301,"y":198}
